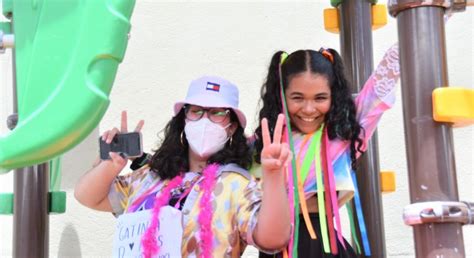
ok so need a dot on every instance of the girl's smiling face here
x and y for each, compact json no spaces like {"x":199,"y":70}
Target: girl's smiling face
{"x":308,"y":97}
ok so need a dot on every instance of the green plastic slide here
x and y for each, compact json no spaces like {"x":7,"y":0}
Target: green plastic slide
{"x":66,"y":58}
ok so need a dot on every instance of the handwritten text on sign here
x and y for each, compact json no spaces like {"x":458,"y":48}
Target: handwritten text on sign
{"x":132,"y":226}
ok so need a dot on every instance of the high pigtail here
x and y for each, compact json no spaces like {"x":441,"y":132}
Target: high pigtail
{"x":341,"y":119}
{"x":270,"y":101}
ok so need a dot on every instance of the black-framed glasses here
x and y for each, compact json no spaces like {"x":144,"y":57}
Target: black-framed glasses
{"x":216,"y":115}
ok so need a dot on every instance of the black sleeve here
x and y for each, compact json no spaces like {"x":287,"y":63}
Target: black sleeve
{"x":140,"y":161}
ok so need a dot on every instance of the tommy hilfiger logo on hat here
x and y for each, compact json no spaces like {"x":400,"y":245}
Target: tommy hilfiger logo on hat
{"x":213,"y":86}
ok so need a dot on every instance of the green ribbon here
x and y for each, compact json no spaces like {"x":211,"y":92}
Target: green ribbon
{"x":353,"y":228}
{"x":310,"y":154}
{"x":320,"y":191}
{"x":314,"y":154}
{"x":293,"y":162}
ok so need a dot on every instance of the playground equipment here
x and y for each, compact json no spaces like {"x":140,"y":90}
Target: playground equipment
{"x":434,"y":218}
{"x":451,"y":106}
{"x":430,"y":155}
{"x":355,"y":20}
{"x":66,"y":55}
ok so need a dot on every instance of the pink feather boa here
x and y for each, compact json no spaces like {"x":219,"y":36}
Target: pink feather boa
{"x":205,"y":214}
{"x":151,"y":248}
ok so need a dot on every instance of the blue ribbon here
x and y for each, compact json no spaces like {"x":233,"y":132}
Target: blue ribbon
{"x":360,"y":217}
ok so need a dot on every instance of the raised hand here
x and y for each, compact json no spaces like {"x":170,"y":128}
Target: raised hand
{"x":275,"y":155}
{"x":109,"y":135}
{"x":274,"y":158}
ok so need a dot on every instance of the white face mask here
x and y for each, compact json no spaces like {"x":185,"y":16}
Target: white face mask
{"x":205,"y":137}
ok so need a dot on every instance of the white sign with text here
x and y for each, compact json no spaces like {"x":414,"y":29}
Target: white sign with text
{"x":131,"y":227}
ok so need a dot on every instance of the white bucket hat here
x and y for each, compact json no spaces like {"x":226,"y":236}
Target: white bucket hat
{"x":212,"y":91}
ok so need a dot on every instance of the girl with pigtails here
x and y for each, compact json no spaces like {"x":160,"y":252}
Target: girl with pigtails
{"x":327,"y":131}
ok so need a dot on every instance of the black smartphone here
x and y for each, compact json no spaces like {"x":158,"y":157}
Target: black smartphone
{"x":128,"y":145}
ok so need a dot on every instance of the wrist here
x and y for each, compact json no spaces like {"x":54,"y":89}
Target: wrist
{"x":273,"y":176}
{"x":110,"y":168}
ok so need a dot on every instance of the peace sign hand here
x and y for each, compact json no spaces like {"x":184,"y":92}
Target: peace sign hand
{"x":275,"y":155}
{"x":109,"y":135}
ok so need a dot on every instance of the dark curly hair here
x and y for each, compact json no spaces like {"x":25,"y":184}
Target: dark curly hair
{"x":341,"y":119}
{"x":171,"y":158}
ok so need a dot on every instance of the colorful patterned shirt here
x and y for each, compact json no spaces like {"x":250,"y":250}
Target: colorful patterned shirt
{"x":236,"y":202}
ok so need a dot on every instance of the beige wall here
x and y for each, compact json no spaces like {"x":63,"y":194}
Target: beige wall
{"x":171,"y":43}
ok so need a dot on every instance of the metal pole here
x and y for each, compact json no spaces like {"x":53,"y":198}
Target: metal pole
{"x":30,"y":201}
{"x":430,"y":152}
{"x":356,"y":49}
{"x":30,"y":219}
